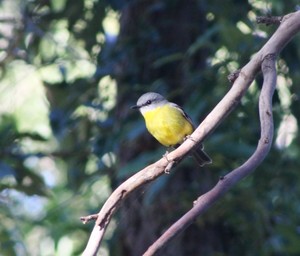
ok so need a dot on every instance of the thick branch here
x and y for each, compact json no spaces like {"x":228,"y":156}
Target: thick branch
{"x":289,"y":27}
{"x":205,"y":201}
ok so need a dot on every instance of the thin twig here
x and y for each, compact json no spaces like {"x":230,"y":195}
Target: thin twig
{"x":233,"y":76}
{"x":272,"y":20}
{"x":88,"y":218}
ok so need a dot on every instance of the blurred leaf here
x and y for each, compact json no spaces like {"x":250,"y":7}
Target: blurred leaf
{"x":6,"y":170}
{"x":203,"y":40}
{"x":139,"y":162}
{"x":167,"y":59}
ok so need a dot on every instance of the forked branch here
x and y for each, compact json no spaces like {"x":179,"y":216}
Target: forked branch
{"x":205,"y":201}
{"x":265,"y":58}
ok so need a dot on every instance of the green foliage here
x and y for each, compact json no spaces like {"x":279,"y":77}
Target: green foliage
{"x":70,"y":70}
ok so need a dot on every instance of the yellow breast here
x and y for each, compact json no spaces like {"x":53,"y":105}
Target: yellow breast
{"x":168,"y":125}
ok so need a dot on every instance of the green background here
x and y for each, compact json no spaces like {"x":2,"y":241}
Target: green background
{"x":70,"y":70}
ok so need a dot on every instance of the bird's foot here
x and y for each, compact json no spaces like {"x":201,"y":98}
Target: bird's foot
{"x":189,"y":137}
{"x":170,"y":162}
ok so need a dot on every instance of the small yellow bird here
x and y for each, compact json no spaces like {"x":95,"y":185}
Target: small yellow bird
{"x":168,"y":123}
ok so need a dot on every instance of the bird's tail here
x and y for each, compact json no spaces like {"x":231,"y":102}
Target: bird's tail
{"x":201,"y":157}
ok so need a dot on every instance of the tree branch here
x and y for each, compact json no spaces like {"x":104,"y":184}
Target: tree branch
{"x":290,"y":25}
{"x":264,"y":144}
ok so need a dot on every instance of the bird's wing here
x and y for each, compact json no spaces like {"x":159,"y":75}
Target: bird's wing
{"x":187,"y":117}
{"x":183,"y":113}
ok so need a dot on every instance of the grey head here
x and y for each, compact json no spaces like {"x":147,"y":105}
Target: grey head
{"x":149,"y":101}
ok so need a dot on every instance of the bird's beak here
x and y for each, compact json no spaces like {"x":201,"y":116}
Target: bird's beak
{"x":135,"y":107}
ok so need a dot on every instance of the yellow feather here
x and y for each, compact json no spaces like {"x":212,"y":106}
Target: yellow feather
{"x":168,"y":125}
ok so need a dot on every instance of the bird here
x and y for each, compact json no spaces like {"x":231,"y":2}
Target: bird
{"x":168,"y":123}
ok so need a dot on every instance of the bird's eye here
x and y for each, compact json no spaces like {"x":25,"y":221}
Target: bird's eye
{"x":148,"y":102}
